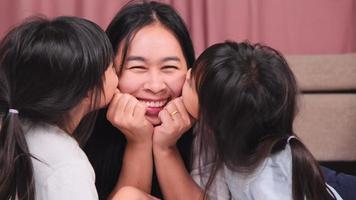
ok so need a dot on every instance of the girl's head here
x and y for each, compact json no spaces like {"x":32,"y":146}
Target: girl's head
{"x":153,"y":52}
{"x":49,"y":69}
{"x":247,"y":94}
{"x":245,"y":98}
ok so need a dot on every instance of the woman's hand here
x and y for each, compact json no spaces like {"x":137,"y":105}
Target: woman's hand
{"x":126,"y":113}
{"x":175,"y":122}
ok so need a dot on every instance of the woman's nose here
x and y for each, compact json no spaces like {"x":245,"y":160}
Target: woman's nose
{"x":155,"y":83}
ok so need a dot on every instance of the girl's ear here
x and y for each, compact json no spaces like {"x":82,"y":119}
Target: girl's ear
{"x":89,"y":96}
{"x":88,"y":99}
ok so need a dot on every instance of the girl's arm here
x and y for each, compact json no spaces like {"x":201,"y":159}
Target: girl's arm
{"x":128,"y":114}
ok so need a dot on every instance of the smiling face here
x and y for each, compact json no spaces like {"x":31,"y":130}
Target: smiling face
{"x":154,"y":69}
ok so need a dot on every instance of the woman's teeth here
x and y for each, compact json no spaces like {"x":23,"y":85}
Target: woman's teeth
{"x":155,"y":104}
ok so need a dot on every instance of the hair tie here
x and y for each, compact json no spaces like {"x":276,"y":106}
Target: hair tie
{"x":291,"y":137}
{"x":14,"y":111}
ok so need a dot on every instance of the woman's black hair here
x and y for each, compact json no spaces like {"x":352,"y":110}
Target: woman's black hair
{"x":47,"y":67}
{"x":137,"y":14}
{"x":247,"y":96}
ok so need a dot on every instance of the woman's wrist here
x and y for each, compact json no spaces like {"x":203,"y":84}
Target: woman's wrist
{"x":159,"y":150}
{"x":139,"y":145}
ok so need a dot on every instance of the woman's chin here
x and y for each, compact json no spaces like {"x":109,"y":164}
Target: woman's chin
{"x":154,"y":120}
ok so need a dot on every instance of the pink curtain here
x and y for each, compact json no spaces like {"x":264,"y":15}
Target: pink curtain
{"x":293,"y":27}
{"x":13,"y":12}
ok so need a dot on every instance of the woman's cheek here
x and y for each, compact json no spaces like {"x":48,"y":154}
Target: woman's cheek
{"x":176,"y":85}
{"x":128,"y":83}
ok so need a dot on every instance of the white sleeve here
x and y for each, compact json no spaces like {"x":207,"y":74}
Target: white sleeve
{"x":72,"y":181}
{"x":219,"y":189}
{"x":270,"y":190}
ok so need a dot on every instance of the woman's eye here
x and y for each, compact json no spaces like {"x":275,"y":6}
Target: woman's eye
{"x":137,"y":68}
{"x":169,"y":67}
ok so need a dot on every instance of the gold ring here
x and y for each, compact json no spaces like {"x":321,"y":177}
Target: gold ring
{"x":174,"y":112}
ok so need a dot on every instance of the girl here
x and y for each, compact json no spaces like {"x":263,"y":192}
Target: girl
{"x":247,"y":101}
{"x":244,"y":97}
{"x":52,"y":74}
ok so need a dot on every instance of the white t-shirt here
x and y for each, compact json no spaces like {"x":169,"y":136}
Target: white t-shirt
{"x":62,"y":170}
{"x":272,"y":180}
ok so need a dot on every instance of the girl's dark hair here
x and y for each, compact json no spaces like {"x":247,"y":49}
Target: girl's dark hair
{"x":47,"y":67}
{"x":247,"y":95}
{"x":138,"y":14}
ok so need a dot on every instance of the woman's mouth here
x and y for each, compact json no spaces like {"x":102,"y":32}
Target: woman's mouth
{"x":154,"y":106}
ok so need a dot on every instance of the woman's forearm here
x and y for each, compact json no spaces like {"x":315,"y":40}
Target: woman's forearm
{"x":175,"y":181}
{"x":136,"y":168}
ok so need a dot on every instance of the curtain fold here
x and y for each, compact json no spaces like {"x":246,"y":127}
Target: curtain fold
{"x":293,"y":27}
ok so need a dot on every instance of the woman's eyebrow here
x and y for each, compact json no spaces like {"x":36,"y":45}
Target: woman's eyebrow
{"x":171,"y":58}
{"x":135,"y":58}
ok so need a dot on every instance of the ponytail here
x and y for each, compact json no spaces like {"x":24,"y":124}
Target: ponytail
{"x":16,"y":170}
{"x":308,"y":181}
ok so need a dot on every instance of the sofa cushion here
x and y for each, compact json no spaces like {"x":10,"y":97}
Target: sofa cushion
{"x":326,"y":123}
{"x":324,"y":72}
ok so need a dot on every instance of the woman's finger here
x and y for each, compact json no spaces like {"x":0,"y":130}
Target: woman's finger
{"x":178,"y":102}
{"x":130,"y":107}
{"x":113,"y":105}
{"x":140,"y":110}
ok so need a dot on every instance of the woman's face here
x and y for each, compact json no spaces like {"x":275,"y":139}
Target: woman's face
{"x":154,"y":69}
{"x":190,"y":96}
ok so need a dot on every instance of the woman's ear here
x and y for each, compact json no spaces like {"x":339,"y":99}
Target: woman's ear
{"x":188,"y":74}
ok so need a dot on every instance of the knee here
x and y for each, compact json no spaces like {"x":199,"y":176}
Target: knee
{"x":129,"y":192}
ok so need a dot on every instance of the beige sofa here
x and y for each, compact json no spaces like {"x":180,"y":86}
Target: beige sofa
{"x":326,"y":121}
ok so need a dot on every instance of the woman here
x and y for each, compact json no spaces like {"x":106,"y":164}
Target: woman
{"x":153,"y":53}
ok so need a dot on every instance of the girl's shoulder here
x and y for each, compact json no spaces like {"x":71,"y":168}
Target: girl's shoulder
{"x":51,"y":147}
{"x":276,"y":165}
{"x":60,"y":166}
{"x":49,"y":141}
{"x":273,"y":178}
